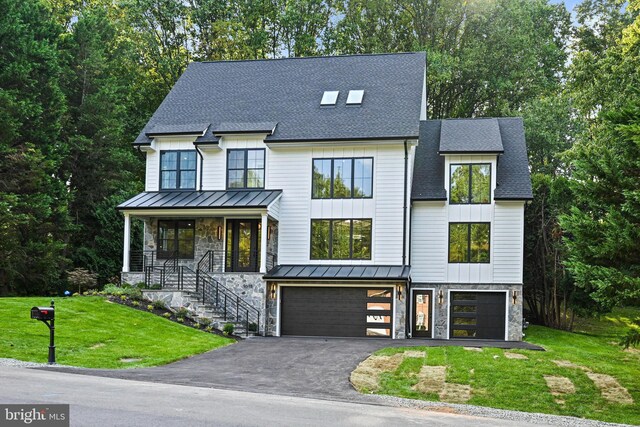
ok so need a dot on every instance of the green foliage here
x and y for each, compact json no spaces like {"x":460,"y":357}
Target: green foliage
{"x":165,"y":315}
{"x":159,"y":305}
{"x":182,"y":312}
{"x":81,"y":278}
{"x":123,"y":291}
{"x":204,"y":321}
{"x":228,"y":328}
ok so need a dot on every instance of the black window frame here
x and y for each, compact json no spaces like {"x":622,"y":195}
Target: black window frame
{"x":470,"y":189}
{"x":468,"y":261}
{"x":178,"y":171}
{"x":330,"y":238}
{"x":164,"y":254}
{"x":246,"y":168}
{"x":333,"y":159}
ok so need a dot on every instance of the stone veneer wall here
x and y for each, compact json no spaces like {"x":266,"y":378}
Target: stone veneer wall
{"x":206,"y":238}
{"x":272,"y":243}
{"x":248,"y":286}
{"x":441,"y":322}
{"x":401,"y":314}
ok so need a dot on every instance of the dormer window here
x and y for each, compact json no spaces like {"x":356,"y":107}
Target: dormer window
{"x":470,"y":183}
{"x":178,"y":170}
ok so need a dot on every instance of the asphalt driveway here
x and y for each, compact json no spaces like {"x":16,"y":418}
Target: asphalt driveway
{"x":304,"y":367}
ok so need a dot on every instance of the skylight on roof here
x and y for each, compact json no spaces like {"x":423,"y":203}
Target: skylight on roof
{"x":329,"y":97}
{"x":355,"y":97}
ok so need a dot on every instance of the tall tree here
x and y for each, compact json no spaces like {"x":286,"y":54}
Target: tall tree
{"x":33,"y":200}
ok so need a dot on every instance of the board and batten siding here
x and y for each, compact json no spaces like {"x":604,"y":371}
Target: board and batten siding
{"x":508,"y":242}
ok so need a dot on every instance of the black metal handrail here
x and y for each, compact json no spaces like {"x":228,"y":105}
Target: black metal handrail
{"x":213,"y":261}
{"x":212,"y":292}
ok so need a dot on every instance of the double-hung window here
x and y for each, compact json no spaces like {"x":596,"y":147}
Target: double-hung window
{"x":345,"y":178}
{"x":245,"y":168}
{"x":341,"y":239}
{"x":178,"y":170}
{"x":470,"y":183}
{"x":469,"y":242}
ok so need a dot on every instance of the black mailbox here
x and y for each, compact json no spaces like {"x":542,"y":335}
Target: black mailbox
{"x":42,"y":313}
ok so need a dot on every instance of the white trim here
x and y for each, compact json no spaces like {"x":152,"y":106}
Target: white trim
{"x":127,"y":243}
{"x":355,"y":142}
{"x":506,"y":307}
{"x":329,"y":285}
{"x":264,"y":224}
{"x":244,"y":213}
{"x":410,"y":314}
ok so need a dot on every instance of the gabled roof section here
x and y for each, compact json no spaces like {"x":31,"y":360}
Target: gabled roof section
{"x":201,"y":199}
{"x":470,"y":136}
{"x":246,"y":127}
{"x":288,"y":92}
{"x":513,"y":179}
{"x":339,"y":272}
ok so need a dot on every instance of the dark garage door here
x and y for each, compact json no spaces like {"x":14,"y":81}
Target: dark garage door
{"x":336,"y":312}
{"x":477,"y":315}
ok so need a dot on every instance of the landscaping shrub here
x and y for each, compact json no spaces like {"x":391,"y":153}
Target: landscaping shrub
{"x":159,"y":305}
{"x":165,"y":315}
{"x":204,"y":321}
{"x":182,"y":312}
{"x":81,"y":278}
{"x":131,"y":292}
{"x":150,"y":307}
{"x":253,"y":327}
{"x":228,"y":328}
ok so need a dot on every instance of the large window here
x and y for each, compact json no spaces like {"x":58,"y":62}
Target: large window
{"x":178,"y":170}
{"x":470,"y":183}
{"x":340,"y":239}
{"x":176,"y":237}
{"x":469,"y":242}
{"x":245,"y":168}
{"x":349,"y":178}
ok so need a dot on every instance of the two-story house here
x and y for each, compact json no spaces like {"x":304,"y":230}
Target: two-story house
{"x":310,"y":196}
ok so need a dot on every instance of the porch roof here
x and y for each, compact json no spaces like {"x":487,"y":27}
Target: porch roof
{"x":223,"y":199}
{"x":339,"y":272}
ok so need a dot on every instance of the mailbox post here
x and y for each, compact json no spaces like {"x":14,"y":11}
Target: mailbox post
{"x":47,"y":316}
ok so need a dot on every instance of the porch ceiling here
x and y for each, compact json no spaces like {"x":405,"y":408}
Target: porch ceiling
{"x":217,"y":200}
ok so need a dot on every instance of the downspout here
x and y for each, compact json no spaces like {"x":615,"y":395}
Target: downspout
{"x":201,"y":163}
{"x":404,"y":207}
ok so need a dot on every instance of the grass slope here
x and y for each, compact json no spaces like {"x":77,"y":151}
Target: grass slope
{"x":94,"y":333}
{"x":499,"y":382}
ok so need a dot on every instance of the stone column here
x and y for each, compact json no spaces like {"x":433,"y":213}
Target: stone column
{"x":263,"y":243}
{"x":127,"y":238}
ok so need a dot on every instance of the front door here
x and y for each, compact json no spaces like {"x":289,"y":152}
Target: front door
{"x":242,"y":245}
{"x":421,"y":317}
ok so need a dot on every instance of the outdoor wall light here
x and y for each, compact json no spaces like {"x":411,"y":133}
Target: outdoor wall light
{"x":269,"y":231}
{"x":514,"y":297}
{"x":219,"y":232}
{"x":440,"y":297}
{"x":273,"y":290}
{"x":399,"y":290}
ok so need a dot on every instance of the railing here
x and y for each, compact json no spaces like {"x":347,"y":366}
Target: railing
{"x":214,"y":261}
{"x":139,"y":260}
{"x":232,"y":307}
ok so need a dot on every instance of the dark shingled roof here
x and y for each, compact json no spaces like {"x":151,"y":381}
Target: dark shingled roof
{"x":470,"y":136}
{"x":339,"y":272}
{"x":201,"y":199}
{"x":229,"y":127}
{"x":177,"y":129}
{"x":513,"y":180}
{"x":288,"y":91}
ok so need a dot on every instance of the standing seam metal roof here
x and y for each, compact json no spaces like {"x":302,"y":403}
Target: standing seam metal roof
{"x":201,"y":199}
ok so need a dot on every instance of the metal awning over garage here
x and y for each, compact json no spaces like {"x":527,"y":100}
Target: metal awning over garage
{"x":201,"y":199}
{"x":339,"y":272}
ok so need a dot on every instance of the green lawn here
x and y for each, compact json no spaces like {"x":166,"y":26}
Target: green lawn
{"x":94,"y":333}
{"x":499,"y":382}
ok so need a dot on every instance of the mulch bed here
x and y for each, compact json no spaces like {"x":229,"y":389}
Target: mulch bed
{"x":186,"y":321}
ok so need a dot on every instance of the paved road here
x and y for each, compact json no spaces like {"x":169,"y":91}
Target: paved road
{"x":306,"y":367}
{"x":115,"y":402}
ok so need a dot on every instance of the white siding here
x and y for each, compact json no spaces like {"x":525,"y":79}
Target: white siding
{"x":429,"y":242}
{"x":153,"y":170}
{"x":508,"y":242}
{"x":152,"y":182}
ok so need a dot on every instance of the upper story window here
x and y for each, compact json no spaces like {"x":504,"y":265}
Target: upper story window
{"x":469,"y":242}
{"x":245,"y":168}
{"x":470,"y":183}
{"x":178,"y":170}
{"x":347,"y":178}
{"x":340,"y":239}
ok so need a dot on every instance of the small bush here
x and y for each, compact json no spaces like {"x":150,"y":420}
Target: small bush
{"x":135,"y":304}
{"x":159,"y":305}
{"x":165,"y":315}
{"x":155,"y":286}
{"x":180,"y":319}
{"x":228,"y":328}
{"x":182,"y":312}
{"x":208,"y":328}
{"x":81,"y":278}
{"x":139,"y":285}
{"x":253,"y":327}
{"x":123,"y":297}
{"x":150,"y":307}
{"x":133,"y":293}
{"x":204,"y":321}
{"x":75,"y":294}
